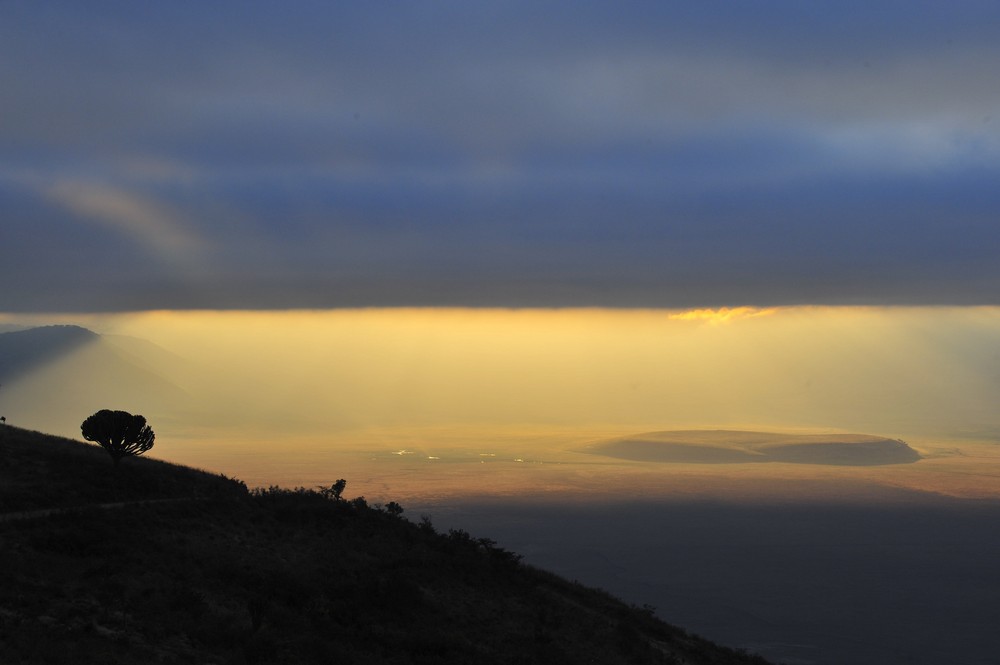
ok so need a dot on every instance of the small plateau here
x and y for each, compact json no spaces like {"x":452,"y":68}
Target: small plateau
{"x":739,"y":447}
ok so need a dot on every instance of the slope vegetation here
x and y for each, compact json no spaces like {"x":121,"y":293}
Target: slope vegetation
{"x":190,"y":567}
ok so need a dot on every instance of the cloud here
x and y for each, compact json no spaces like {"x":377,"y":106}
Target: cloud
{"x":516,"y":154}
{"x":149,"y":223}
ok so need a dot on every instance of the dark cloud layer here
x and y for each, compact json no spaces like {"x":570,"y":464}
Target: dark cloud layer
{"x":250,"y":155}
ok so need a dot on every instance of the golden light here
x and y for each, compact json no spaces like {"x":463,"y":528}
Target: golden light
{"x":293,"y":397}
{"x":721,"y":315}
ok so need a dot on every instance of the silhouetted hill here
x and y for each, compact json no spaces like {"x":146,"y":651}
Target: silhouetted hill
{"x":23,"y":350}
{"x":55,"y":376}
{"x":222,"y":575}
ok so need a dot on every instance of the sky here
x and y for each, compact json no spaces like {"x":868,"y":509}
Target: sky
{"x":256,"y":155}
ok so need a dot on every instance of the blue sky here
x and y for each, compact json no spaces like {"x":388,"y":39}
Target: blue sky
{"x":637,"y":154}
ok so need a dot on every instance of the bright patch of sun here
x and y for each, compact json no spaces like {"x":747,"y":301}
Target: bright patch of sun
{"x":722,"y":315}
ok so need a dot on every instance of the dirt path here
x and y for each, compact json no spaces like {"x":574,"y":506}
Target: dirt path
{"x":45,"y":512}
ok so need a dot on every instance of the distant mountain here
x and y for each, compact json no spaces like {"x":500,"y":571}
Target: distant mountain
{"x":23,"y":350}
{"x":739,"y":447}
{"x":186,"y":567}
{"x":52,"y":377}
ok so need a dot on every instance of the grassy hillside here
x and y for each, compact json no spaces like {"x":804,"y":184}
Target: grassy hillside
{"x":38,"y":471}
{"x":223,"y":575}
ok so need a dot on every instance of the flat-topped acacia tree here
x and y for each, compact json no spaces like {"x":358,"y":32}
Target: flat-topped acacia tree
{"x":118,"y":432}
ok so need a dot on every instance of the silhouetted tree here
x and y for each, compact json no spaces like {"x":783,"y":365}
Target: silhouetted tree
{"x":118,"y":432}
{"x":335,"y":490}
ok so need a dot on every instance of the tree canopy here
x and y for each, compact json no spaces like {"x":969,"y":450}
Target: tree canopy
{"x":118,"y":432}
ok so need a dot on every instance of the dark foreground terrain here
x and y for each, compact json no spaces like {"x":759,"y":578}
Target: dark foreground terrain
{"x":187,"y":567}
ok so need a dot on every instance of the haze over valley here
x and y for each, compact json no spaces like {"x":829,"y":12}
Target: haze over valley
{"x":292,"y":398}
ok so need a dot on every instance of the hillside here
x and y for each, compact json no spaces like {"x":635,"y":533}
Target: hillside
{"x":217,"y":574}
